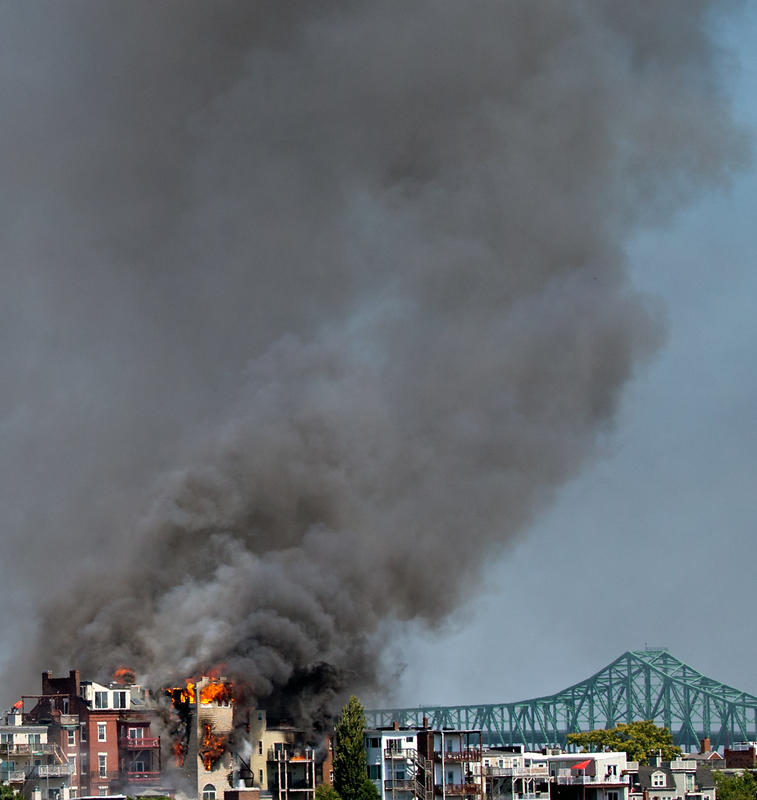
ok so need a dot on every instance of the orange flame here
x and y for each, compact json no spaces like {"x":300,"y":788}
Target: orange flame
{"x":216,"y":691}
{"x":125,"y":675}
{"x":18,"y":705}
{"x":212,"y":746}
{"x":180,"y":752}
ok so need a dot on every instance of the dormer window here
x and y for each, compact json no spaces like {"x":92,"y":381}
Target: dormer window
{"x":658,"y":779}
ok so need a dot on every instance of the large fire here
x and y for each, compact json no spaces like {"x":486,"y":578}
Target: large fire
{"x":216,"y":691}
{"x":212,"y":746}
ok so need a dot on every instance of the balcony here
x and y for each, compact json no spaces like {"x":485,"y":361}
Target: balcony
{"x":458,"y":788}
{"x":517,"y":772}
{"x":471,"y":754}
{"x":143,"y":777}
{"x":12,"y":775}
{"x":592,"y":780}
{"x":140,"y":743}
{"x":26,"y":749}
{"x":51,"y":770}
{"x":391,"y":752}
{"x":399,"y":786}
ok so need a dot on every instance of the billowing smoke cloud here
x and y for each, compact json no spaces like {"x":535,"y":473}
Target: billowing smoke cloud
{"x":309,"y":307}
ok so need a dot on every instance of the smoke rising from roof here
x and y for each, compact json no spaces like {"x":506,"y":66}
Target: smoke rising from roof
{"x":309,"y":310}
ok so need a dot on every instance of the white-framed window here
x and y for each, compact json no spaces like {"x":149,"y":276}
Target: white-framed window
{"x":71,"y":737}
{"x":135,"y":733}
{"x":612,"y":770}
{"x":101,"y":699}
{"x":119,"y":699}
{"x":102,"y":765}
{"x":658,"y":779}
{"x":331,"y":776}
{"x":102,"y":791}
{"x":208,"y":792}
{"x":72,"y":792}
{"x":6,"y":738}
{"x":102,"y":728}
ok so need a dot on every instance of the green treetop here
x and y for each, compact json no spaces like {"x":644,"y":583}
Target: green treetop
{"x":639,"y":740}
{"x":350,"y":765}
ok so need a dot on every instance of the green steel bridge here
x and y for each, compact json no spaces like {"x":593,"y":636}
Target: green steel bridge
{"x":640,"y":685}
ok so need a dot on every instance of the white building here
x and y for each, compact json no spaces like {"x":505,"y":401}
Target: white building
{"x":395,"y":766}
{"x":32,"y":765}
{"x":511,"y":773}
{"x":589,"y":776}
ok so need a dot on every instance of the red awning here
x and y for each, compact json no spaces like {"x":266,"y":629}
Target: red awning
{"x":582,"y":764}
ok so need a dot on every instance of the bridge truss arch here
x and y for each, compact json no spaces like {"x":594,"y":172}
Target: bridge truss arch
{"x":640,"y":685}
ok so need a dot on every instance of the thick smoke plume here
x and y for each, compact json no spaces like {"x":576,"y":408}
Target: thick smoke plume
{"x":310,"y":307}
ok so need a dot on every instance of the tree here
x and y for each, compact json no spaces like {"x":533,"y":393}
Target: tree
{"x":639,"y":740}
{"x":325,"y":791}
{"x":735,"y":787}
{"x":350,"y":765}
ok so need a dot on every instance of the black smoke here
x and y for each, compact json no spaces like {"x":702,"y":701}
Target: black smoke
{"x":309,"y":308}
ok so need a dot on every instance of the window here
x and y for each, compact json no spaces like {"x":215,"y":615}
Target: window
{"x":119,"y":699}
{"x":208,"y":792}
{"x":102,"y":765}
{"x":612,"y":770}
{"x":373,"y":741}
{"x":65,"y":705}
{"x":102,"y":727}
{"x":658,"y":779}
{"x":82,"y":733}
{"x":102,"y":791}
{"x":400,"y":775}
{"x":260,"y":716}
{"x":408,"y":738}
{"x":331,"y":776}
{"x":101,"y":699}
{"x":72,"y":792}
{"x":83,"y":763}
{"x":612,"y":796}
{"x":35,"y":738}
{"x":374,"y":772}
{"x":72,"y":762}
{"x":261,"y":777}
{"x":260,"y":747}
{"x":450,"y":777}
{"x":71,"y":737}
{"x":6,"y":738}
{"x":139,"y":766}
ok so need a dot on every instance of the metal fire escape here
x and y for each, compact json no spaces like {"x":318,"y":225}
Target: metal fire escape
{"x":640,"y":685}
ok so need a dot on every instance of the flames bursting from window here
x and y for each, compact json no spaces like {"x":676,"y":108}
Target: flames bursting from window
{"x":212,"y":746}
{"x":216,"y":691}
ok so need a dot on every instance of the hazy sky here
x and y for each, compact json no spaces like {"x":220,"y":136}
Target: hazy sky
{"x":656,"y":543}
{"x":310,"y":312}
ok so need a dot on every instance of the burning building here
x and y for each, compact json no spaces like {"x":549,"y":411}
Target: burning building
{"x":203,"y":727}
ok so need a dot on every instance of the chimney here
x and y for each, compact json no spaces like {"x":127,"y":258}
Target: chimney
{"x":425,"y":723}
{"x":396,"y":725}
{"x":705,"y":745}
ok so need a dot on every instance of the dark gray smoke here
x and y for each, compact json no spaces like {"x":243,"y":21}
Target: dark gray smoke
{"x":308,"y":308}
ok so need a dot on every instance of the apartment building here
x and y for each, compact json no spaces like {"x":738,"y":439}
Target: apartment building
{"x":396,"y":767}
{"x":282,"y":764}
{"x":680,"y":779}
{"x":31,"y":763}
{"x":511,"y":773}
{"x":103,"y":730}
{"x":589,"y":776}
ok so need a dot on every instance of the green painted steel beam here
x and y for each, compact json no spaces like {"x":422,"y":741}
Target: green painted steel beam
{"x":641,"y":684}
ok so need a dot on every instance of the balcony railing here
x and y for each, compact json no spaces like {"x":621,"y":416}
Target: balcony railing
{"x":51,"y":770}
{"x":24,"y":749}
{"x":518,"y":772}
{"x":140,"y":742}
{"x":458,"y":788}
{"x":143,"y":777}
{"x":593,"y":780}
{"x":391,"y":752}
{"x":12,"y":775}
{"x":399,"y":786}
{"x":469,"y":754}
